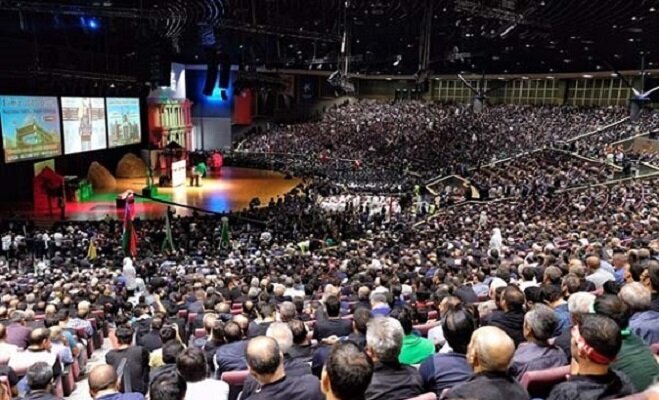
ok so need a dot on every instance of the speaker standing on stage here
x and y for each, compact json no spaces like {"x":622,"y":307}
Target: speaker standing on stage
{"x":198,"y":172}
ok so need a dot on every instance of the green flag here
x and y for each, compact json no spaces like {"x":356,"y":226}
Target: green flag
{"x":91,"y":250}
{"x":168,"y":242}
{"x":224,"y":234}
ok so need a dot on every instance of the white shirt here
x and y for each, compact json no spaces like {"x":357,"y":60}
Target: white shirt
{"x":131,"y":275}
{"x":58,"y":239}
{"x":6,"y":242}
{"x":525,"y":284}
{"x":292,"y":292}
{"x":209,"y":389}
{"x":7,"y":350}
{"x":600,"y":277}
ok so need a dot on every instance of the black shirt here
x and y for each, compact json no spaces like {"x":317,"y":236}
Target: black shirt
{"x":304,"y":353}
{"x":334,"y":326}
{"x":257,"y":329}
{"x":593,"y":387}
{"x":510,"y":322}
{"x":40,"y":395}
{"x":10,"y":374}
{"x":210,"y":348}
{"x":394,"y":381}
{"x":489,"y":386}
{"x":137,"y":365}
{"x":293,"y":367}
{"x":151,"y":341}
{"x":306,"y":387}
{"x":466,"y":294}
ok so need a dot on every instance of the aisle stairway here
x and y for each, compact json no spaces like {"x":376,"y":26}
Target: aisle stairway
{"x":98,"y":357}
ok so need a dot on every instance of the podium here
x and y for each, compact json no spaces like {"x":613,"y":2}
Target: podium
{"x":178,"y":173}
{"x":124,"y":198}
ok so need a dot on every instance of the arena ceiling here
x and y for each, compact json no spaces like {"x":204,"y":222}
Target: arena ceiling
{"x":121,"y":37}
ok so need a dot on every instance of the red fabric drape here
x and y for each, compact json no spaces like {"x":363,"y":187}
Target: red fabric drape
{"x":242,"y":108}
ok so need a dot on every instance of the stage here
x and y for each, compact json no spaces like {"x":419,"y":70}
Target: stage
{"x":230,"y":190}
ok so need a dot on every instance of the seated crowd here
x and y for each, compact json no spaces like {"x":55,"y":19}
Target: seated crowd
{"x":330,"y":294}
{"x":418,"y":317}
{"x":540,"y":173}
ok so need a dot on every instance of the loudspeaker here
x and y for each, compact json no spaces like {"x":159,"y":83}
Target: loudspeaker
{"x":160,"y":66}
{"x":225,"y":71}
{"x":211,"y":73}
{"x":146,"y":191}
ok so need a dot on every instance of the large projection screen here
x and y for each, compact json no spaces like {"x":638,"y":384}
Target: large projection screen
{"x":84,"y":124}
{"x":30,"y":127}
{"x":123,"y":121}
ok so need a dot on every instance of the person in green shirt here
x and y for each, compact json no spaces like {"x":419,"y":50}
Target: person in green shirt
{"x":198,"y":172}
{"x":635,"y":358}
{"x":415,"y":348}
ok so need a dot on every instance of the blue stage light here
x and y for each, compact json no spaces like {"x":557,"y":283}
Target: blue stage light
{"x":93,"y":23}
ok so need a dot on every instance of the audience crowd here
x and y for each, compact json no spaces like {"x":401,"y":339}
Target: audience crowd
{"x":327,"y":293}
{"x":426,"y":139}
{"x":539,"y":173}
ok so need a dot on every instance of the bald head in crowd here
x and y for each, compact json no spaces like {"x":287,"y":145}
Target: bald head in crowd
{"x":593,"y":263}
{"x":287,"y":311}
{"x":490,"y":350}
{"x":264,"y":359}
{"x":102,"y":380}
{"x":282,"y":333}
{"x":636,"y":296}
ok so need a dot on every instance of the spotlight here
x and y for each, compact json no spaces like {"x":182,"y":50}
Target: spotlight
{"x":90,"y":23}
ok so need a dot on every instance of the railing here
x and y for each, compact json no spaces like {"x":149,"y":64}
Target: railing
{"x":598,"y":130}
{"x":437,"y":180}
{"x":621,"y":141}
{"x":590,"y":160}
{"x":289,"y":155}
{"x":200,"y":210}
{"x":611,"y":182}
{"x":495,"y":162}
{"x":464,"y":203}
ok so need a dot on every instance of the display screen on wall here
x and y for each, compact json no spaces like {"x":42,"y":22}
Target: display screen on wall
{"x":83,"y":119}
{"x":30,"y":127}
{"x":124,"y":121}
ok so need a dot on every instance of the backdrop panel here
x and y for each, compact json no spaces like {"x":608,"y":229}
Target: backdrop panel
{"x":30,"y":127}
{"x":83,"y":120}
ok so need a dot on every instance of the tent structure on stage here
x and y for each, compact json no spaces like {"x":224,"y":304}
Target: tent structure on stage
{"x":47,"y":187}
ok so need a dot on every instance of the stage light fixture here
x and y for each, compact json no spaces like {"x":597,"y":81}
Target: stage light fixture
{"x":211,"y":72}
{"x":225,"y":71}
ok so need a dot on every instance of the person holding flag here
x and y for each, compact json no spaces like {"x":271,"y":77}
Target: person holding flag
{"x":224,"y":234}
{"x":129,"y":237}
{"x":168,"y":242}
{"x":91,"y":250}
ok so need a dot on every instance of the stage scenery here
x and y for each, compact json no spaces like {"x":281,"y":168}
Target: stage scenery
{"x":329,"y":200}
{"x":30,"y":127}
{"x":83,"y":120}
{"x":124,"y":125}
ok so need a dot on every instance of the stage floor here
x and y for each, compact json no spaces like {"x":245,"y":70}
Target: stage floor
{"x":230,"y":190}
